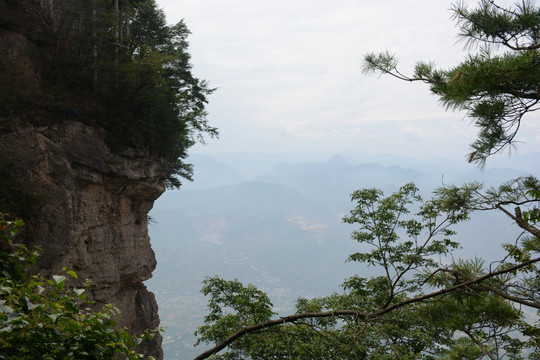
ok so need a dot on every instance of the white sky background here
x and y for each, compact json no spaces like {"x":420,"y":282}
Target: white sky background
{"x":289,"y":78}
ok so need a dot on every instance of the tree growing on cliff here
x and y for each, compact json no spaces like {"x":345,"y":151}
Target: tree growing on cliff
{"x":119,"y":66}
{"x":162,"y":105}
{"x":425,"y":304}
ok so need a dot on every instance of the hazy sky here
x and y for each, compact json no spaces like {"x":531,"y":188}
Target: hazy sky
{"x":289,"y":78}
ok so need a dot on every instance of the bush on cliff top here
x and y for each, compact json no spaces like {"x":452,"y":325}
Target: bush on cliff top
{"x":122,"y":68}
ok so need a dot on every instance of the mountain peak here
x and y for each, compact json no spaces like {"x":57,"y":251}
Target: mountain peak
{"x":337,"y":160}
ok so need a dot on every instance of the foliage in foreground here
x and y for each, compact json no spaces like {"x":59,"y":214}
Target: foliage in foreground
{"x":424,"y":304}
{"x":498,"y":85}
{"x":43,"y":318}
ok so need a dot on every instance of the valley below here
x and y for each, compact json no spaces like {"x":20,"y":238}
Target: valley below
{"x":277,"y":224}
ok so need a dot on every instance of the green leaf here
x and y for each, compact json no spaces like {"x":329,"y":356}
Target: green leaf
{"x":54,"y":317}
{"x":14,"y":316}
{"x":30,"y":304}
{"x":4,"y":308}
{"x":59,"y":279}
{"x":79,"y":291}
{"x":71,"y":273}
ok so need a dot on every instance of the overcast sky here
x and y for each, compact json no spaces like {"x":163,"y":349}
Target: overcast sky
{"x":289,"y":78}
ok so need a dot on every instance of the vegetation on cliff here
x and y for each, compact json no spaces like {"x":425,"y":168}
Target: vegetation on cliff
{"x":424,"y":303}
{"x":116,"y":65}
{"x":48,"y":318}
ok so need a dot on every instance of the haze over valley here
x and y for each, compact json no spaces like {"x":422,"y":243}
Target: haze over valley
{"x":275,"y":221}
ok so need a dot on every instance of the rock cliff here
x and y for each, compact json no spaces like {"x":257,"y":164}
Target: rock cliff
{"x":92,"y":213}
{"x":93,"y":217}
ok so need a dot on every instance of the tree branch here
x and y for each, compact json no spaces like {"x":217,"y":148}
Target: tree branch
{"x":280,"y":321}
{"x":524,"y":224}
{"x":510,"y":297}
{"x":360,"y":314}
{"x":485,"y":349}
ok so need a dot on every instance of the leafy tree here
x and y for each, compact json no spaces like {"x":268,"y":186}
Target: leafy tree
{"x":162,"y":105}
{"x":422,"y":306}
{"x":46,"y":319}
{"x":117,"y":65}
{"x":498,"y":85}
{"x":425,"y":303}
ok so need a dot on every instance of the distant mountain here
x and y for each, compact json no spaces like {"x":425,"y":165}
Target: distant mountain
{"x":275,"y":221}
{"x":246,"y":197}
{"x":210,"y":173}
{"x":525,"y":162}
{"x":331,"y":183}
{"x":252,"y":165}
{"x":492,"y":176}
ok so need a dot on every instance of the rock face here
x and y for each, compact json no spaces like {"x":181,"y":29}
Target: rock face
{"x":93,"y":217}
{"x":94,"y":214}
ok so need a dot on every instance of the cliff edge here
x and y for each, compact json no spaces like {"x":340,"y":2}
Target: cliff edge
{"x":85,"y":205}
{"x":93,"y":214}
